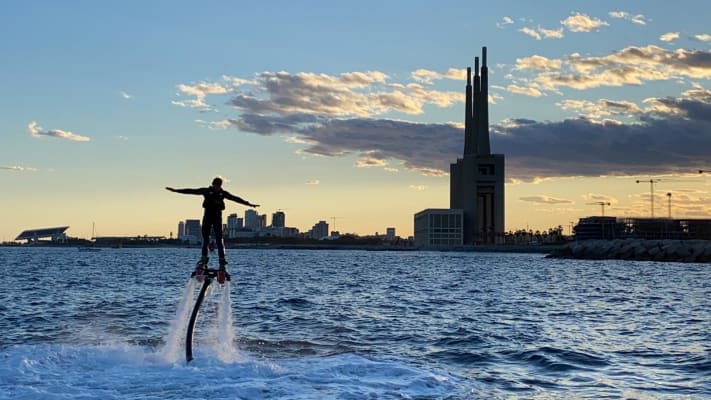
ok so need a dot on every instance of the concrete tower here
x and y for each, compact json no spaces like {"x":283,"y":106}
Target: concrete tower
{"x":477,"y":179}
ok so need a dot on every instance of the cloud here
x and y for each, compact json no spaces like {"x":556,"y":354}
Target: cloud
{"x":542,"y":33}
{"x":35,"y":130}
{"x":419,"y":188}
{"x":17,"y":168}
{"x":665,"y":135}
{"x":551,"y":33}
{"x":528,"y":91}
{"x":638,"y":19}
{"x":629,"y":66}
{"x":536,"y":62}
{"x":215,"y":125}
{"x":428,"y":76}
{"x":349,"y":94}
{"x":271,"y":124}
{"x":341,"y":115}
{"x":662,"y":135}
{"x":602,"y":108}
{"x":600,"y":198}
{"x":369,"y":161}
{"x":705,"y":37}
{"x":313,"y":182}
{"x":545,"y":200}
{"x":420,"y":146}
{"x":530,"y":32}
{"x":582,"y":23}
{"x":199,"y":91}
{"x":504,"y":21}
{"x":126,"y":95}
{"x":275,"y":100}
{"x":684,"y":202}
{"x":668,"y":140}
{"x":669,"y":36}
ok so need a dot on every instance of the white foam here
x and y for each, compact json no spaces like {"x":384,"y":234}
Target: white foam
{"x":214,"y":329}
{"x":129,"y":372}
{"x":225,"y":346}
{"x":172,"y":350}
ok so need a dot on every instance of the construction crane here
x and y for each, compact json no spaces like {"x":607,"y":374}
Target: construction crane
{"x":334,"y":222}
{"x":651,"y":192}
{"x":601,"y":204}
{"x":652,"y":182}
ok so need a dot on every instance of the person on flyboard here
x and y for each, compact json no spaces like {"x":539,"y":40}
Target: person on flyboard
{"x":213,"y":203}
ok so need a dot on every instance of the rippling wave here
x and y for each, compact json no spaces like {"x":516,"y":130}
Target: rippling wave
{"x":353,"y":325}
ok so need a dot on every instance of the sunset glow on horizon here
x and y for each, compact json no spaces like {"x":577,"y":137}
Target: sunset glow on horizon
{"x":348,"y":113}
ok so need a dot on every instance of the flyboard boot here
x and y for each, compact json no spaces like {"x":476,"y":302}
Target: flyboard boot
{"x":200,"y":269}
{"x":222,"y":273}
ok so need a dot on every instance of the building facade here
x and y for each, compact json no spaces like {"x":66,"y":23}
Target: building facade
{"x":234,"y":225}
{"x":436,"y":227}
{"x":34,"y":235}
{"x":390,"y":234}
{"x":477,"y":179}
{"x":642,"y":228}
{"x":181,"y":230}
{"x":252,"y":220}
{"x":476,"y":186}
{"x":193,"y":233}
{"x":278,"y":219}
{"x":319,"y":230}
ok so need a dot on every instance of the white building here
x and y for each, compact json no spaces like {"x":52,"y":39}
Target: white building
{"x":234,"y":225}
{"x":320,"y":230}
{"x":252,"y":220}
{"x":193,"y":233}
{"x":439,"y":227}
{"x":278,"y":219}
{"x":390,"y":234}
{"x":181,"y":230}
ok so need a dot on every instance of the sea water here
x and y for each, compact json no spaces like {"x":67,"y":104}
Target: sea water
{"x":297,"y":324}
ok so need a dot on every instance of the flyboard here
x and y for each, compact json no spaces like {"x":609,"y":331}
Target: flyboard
{"x":206,"y":276}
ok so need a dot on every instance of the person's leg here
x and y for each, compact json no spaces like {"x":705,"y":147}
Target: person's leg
{"x":217,"y":226}
{"x":206,"y":228}
{"x":222,"y":274}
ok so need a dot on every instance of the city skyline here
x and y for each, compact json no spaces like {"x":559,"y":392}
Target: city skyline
{"x":235,"y":226}
{"x":336,"y":110}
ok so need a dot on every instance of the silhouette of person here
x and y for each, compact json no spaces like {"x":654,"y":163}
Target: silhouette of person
{"x":213,"y":203}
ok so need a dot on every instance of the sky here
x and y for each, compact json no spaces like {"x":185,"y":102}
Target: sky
{"x":348,"y":112}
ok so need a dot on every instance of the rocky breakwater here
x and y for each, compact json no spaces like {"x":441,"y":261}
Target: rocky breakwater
{"x":637,"y":249}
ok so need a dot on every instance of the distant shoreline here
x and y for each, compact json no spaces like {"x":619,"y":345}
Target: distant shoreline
{"x":537,"y":249}
{"x":628,"y":249}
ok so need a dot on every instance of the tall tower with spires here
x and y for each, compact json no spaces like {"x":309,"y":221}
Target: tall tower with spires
{"x":477,"y":179}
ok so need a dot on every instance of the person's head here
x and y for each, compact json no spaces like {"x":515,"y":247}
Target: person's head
{"x":217,"y":182}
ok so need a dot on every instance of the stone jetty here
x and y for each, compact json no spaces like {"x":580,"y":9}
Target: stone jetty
{"x":637,"y":249}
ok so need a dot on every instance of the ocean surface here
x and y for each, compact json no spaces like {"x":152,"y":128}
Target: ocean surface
{"x":297,"y":324}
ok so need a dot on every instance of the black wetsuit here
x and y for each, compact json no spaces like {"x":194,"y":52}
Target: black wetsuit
{"x":213,"y":203}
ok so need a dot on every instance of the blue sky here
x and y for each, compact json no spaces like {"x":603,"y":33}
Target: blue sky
{"x":348,"y":110}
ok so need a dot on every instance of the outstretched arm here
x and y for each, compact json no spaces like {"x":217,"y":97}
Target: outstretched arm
{"x":238,"y":199}
{"x":185,"y":191}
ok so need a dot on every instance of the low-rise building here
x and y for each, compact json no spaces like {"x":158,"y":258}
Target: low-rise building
{"x":436,"y":227}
